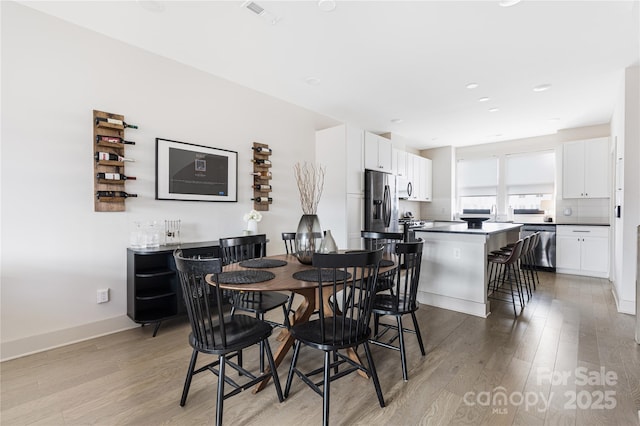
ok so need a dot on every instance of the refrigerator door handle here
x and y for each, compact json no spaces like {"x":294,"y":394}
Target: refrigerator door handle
{"x":386,"y":212}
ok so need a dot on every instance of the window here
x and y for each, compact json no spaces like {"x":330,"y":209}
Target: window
{"x":477,"y":184}
{"x":530,"y":173}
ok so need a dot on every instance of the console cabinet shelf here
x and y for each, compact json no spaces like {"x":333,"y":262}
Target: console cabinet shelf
{"x":153,"y":287}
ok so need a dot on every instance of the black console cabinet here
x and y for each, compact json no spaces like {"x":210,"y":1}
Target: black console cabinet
{"x":153,"y":287}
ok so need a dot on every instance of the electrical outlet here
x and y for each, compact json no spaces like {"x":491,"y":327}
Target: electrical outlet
{"x":456,"y":253}
{"x":103,"y":295}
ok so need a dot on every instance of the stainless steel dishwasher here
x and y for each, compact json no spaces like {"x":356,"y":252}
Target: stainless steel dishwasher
{"x":545,"y":251}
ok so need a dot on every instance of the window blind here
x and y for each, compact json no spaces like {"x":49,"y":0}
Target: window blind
{"x":530,"y":173}
{"x":477,"y":177}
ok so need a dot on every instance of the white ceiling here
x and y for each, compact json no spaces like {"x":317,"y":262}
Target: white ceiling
{"x":382,"y":60}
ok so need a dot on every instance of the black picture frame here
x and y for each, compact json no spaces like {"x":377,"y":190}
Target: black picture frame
{"x":190,"y":172}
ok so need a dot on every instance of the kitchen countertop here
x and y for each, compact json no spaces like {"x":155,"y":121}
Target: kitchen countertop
{"x":462,"y":228}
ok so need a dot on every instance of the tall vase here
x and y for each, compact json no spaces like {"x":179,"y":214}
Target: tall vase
{"x":308,"y":238}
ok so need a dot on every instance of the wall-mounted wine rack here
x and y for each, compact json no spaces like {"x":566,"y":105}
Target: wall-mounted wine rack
{"x":109,"y":159}
{"x":261,"y":176}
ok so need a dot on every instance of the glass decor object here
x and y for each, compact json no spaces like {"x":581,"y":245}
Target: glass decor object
{"x":172,"y":231}
{"x":308,"y":238}
{"x":328,"y":244}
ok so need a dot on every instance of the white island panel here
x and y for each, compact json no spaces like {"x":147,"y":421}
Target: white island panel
{"x":454,"y":265}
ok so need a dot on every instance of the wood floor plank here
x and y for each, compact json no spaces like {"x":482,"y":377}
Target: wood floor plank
{"x":132,"y":378}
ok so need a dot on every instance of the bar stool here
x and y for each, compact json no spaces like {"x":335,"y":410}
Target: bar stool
{"x":504,"y":271}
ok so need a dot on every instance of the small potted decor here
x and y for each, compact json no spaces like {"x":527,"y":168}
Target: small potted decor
{"x":252,"y":218}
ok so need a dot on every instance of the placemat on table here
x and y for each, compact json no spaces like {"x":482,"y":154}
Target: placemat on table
{"x":262,"y":263}
{"x":245,"y":277}
{"x":312,"y":275}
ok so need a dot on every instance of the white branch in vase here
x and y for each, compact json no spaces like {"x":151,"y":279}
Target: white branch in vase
{"x":310,"y":181}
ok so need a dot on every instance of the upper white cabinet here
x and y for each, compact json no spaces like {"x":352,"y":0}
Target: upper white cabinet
{"x":427,"y":180}
{"x":378,"y":153}
{"x":341,"y":150}
{"x":399,"y":162}
{"x":585,"y":169}
{"x":419,"y":175}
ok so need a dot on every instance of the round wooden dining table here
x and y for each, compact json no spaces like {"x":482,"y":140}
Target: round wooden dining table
{"x":284,"y":281}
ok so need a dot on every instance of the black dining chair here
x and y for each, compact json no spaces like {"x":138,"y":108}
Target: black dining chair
{"x":400,"y":302}
{"x":289,"y":245}
{"x":388,"y":240}
{"x":214,"y":333}
{"x":336,"y":330}
{"x":238,"y":249}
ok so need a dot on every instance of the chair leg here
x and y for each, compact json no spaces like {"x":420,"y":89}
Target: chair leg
{"x":418,"y":335}
{"x":274,"y":371}
{"x":294,"y":360}
{"x":403,"y":354}
{"x":260,"y":316}
{"x":187,"y":381}
{"x":326,"y":389}
{"x":374,"y":374}
{"x":219,"y":402}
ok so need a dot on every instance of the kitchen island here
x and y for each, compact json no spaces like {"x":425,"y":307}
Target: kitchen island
{"x":454,"y":264}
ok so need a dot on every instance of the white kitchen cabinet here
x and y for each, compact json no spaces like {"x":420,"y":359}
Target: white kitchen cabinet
{"x":399,"y":162}
{"x":355,"y":220}
{"x":378,"y":153}
{"x":427,"y":179}
{"x":341,"y":150}
{"x":419,"y":171}
{"x":585,"y":169}
{"x":582,"y":250}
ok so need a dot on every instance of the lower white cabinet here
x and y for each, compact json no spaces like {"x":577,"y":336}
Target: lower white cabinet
{"x":582,"y":250}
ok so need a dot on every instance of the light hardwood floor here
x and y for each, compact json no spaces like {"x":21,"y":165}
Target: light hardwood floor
{"x":570,"y":326}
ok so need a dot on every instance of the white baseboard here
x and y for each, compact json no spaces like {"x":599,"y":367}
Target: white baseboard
{"x":582,"y":273}
{"x":453,"y":304}
{"x":42,"y":342}
{"x":623,"y":306}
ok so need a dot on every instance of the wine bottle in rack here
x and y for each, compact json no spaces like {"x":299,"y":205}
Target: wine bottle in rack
{"x":258,"y":187}
{"x":114,"y":176}
{"x":114,"y":194}
{"x":115,"y":121}
{"x":108,"y":156}
{"x":261,"y":161}
{"x":262,"y":199}
{"x":113,"y":139}
{"x":262,"y":149}
{"x":261,"y":174}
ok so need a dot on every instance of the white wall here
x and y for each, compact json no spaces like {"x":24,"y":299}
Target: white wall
{"x":625,"y":131}
{"x":443,"y":166}
{"x":56,"y":250}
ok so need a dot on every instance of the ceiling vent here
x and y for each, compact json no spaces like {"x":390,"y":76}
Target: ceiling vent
{"x":261,"y":12}
{"x":254,"y":7}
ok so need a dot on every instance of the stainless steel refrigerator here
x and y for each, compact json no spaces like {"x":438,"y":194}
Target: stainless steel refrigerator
{"x":380,"y":202}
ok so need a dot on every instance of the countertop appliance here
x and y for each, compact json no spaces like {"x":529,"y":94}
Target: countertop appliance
{"x":545,"y":251}
{"x":380,"y":202}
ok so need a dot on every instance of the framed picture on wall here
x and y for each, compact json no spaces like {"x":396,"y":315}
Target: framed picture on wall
{"x":190,"y":172}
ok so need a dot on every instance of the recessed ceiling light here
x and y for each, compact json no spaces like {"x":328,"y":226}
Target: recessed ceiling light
{"x":494,"y":109}
{"x":472,"y":85}
{"x":507,"y":3}
{"x":485,"y":99}
{"x":542,"y":88}
{"x":326,"y":5}
{"x":312,"y":81}
{"x":397,"y":120}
